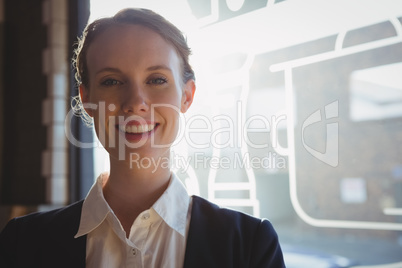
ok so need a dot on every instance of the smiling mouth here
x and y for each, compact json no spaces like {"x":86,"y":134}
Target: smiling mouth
{"x":137,"y":129}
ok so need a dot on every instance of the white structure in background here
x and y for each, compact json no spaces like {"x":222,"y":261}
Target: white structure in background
{"x":366,"y":76}
{"x":230,"y":180}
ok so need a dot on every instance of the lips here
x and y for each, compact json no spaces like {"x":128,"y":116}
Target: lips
{"x":137,"y":129}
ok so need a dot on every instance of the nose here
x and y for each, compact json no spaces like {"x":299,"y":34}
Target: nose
{"x":135,"y":101}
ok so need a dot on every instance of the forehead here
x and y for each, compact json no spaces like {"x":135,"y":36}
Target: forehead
{"x":126,"y":45}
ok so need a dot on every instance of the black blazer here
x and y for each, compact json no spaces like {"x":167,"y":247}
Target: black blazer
{"x":217,"y":237}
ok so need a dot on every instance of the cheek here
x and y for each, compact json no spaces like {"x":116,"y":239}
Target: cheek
{"x":170,"y":120}
{"x":171,"y":96}
{"x":104,"y":115}
{"x":105,"y":103}
{"x":168,"y":112}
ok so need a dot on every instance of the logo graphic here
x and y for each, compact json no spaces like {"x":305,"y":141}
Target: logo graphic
{"x":330,"y":156}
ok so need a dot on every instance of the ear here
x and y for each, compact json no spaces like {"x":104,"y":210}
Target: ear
{"x":84,"y":95}
{"x":188,"y":95}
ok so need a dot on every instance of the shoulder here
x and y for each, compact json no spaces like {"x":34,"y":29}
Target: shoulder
{"x":227,"y":218}
{"x":39,"y":223}
{"x":55,"y":217}
{"x":224,"y":221}
{"x":231,"y":237}
{"x":44,"y":233}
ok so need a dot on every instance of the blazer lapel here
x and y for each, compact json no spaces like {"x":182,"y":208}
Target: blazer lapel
{"x":198,"y":251}
{"x":193,"y":236}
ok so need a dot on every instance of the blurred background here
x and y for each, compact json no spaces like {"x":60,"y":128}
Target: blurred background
{"x":297,"y":117}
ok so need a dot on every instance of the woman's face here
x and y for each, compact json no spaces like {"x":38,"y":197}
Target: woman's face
{"x":136,"y":91}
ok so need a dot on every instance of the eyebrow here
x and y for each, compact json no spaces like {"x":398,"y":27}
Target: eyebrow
{"x":159,"y":67}
{"x":151,"y":68}
{"x":109,"y":69}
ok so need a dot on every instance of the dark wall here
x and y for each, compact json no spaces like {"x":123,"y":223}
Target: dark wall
{"x":24,"y":136}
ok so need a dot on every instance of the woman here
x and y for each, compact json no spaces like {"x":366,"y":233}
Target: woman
{"x":134,"y":80}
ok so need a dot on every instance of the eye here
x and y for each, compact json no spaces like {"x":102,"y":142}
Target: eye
{"x":157,"y":81}
{"x":111,"y":82}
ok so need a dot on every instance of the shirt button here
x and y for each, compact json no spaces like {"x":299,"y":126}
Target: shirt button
{"x":134,"y":252}
{"x":145,"y":216}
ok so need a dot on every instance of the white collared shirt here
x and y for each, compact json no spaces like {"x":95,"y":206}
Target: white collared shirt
{"x":157,"y":237}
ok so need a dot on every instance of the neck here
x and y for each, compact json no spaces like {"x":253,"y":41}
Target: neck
{"x":136,"y":182}
{"x":131,"y":189}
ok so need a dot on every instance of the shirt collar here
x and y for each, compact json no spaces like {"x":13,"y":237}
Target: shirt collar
{"x":95,"y":208}
{"x":172,"y":206}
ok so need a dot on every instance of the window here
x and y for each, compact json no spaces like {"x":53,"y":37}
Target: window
{"x":297,"y":118}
